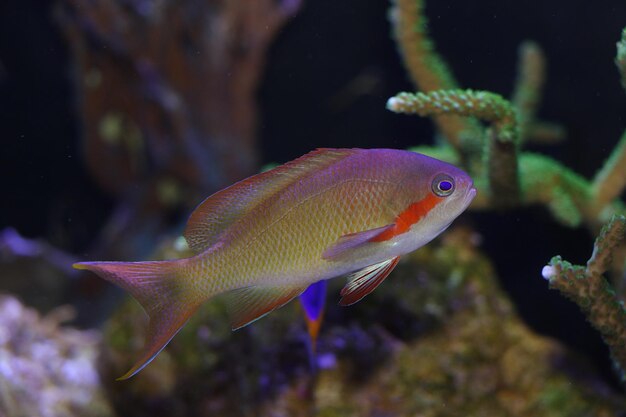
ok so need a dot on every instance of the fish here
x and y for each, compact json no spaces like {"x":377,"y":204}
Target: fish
{"x":264,"y":240}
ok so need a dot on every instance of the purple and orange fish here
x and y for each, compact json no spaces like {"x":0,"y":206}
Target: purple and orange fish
{"x":264,"y":240}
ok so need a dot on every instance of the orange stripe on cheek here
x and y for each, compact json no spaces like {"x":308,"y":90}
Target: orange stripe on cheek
{"x":411,"y":215}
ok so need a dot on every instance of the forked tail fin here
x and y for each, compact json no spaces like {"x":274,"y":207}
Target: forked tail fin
{"x":162,"y":292}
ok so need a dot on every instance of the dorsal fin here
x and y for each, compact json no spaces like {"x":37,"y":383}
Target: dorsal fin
{"x":222,"y":209}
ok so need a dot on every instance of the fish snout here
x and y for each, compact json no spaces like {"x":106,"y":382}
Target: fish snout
{"x":469,"y":196}
{"x":471,"y":193}
{"x":466,"y":184}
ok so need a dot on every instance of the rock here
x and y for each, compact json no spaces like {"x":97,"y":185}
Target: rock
{"x":46,"y":369}
{"x":439,"y":338}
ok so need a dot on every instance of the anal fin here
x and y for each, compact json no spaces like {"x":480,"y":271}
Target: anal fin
{"x":249,"y":304}
{"x":364,"y":281}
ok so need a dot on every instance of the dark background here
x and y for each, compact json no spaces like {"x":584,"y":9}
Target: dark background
{"x":328,"y":77}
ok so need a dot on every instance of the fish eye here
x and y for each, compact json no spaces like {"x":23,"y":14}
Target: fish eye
{"x":443,"y":185}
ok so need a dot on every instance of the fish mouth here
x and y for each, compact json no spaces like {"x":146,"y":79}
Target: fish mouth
{"x":469,"y":197}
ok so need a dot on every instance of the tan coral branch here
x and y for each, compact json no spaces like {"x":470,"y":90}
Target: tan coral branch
{"x":529,"y":85}
{"x":609,"y":182}
{"x":483,"y":105}
{"x":591,"y":291}
{"x":620,"y":59}
{"x":427,"y":69}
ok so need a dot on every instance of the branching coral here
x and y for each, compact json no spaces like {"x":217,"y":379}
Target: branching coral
{"x":427,"y":69}
{"x":531,"y":74}
{"x":528,"y":86}
{"x":620,"y":60}
{"x":506,"y":177}
{"x":586,"y":286}
{"x":480,"y":104}
{"x":611,"y":179}
{"x":501,"y":153}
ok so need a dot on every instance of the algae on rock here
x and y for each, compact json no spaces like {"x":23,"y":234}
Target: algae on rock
{"x":440,"y":338}
{"x":45,"y":369}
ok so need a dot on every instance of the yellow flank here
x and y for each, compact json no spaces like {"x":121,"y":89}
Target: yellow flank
{"x":283,"y":242}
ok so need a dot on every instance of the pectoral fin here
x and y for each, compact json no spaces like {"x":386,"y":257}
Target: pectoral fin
{"x":249,"y":304}
{"x":347,"y":243}
{"x":364,"y":281}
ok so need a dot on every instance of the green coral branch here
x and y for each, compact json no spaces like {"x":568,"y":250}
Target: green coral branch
{"x":610,"y":237}
{"x":501,"y":160}
{"x":531,"y":76}
{"x":501,"y":155}
{"x":529,"y":85}
{"x":427,"y":69}
{"x":570,"y":198}
{"x":567,"y":195}
{"x":511,"y":177}
{"x":547,"y":133}
{"x":543,"y":181}
{"x":483,"y":105}
{"x":609,"y":182}
{"x":591,"y":291}
{"x":620,"y":59}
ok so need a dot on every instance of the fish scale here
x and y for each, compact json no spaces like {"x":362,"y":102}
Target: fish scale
{"x":265,"y":239}
{"x":303,"y":233}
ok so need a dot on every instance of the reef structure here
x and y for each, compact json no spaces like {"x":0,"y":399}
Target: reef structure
{"x":46,"y":369}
